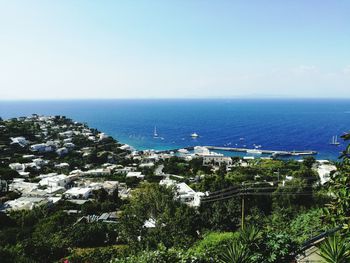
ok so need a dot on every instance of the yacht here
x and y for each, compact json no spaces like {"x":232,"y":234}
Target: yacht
{"x":254,"y":151}
{"x":335,"y":140}
{"x":155,"y":134}
{"x":194,"y":135}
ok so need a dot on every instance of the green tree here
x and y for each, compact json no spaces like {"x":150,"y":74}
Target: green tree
{"x":309,"y":161}
{"x":175,"y":223}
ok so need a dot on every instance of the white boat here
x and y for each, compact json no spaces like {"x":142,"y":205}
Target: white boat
{"x":335,"y":140}
{"x":155,"y":134}
{"x":254,"y":151}
{"x":194,"y":135}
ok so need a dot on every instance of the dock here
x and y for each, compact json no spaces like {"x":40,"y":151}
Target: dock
{"x":247,"y":150}
{"x":272,"y":152}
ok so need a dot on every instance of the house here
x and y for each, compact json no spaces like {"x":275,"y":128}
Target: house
{"x":148,"y":165}
{"x":39,"y":162}
{"x":62,"y":151}
{"x":150,"y":223}
{"x":125,"y":170}
{"x":17,"y":166}
{"x":28,"y":156}
{"x":110,"y":186}
{"x":18,"y":184}
{"x":102,"y":136}
{"x":67,"y":140}
{"x":216,"y":160}
{"x":184,"y":193}
{"x":187,"y":195}
{"x":24,"y":174}
{"x":62,"y":165}
{"x":126,"y":147}
{"x":324,"y":171}
{"x":21,"y":141}
{"x":137,"y":175}
{"x":78,"y":193}
{"x":66,"y":134}
{"x":123,"y":191}
{"x":98,"y":172}
{"x":25,"y":203}
{"x":41,"y":147}
{"x":69,"y":145}
{"x":55,"y":181}
{"x":167,"y":182}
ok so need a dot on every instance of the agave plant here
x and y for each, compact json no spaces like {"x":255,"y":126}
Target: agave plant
{"x":335,"y":249}
{"x":250,"y":235}
{"x":237,"y":252}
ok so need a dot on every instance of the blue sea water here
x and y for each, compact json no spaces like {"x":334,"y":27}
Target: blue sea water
{"x":274,"y":124}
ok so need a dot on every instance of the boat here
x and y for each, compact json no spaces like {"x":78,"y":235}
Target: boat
{"x":194,"y":135}
{"x":155,"y":134}
{"x":254,"y":151}
{"x":335,"y":140}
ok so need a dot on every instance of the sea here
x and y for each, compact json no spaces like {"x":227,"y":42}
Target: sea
{"x":273,"y":124}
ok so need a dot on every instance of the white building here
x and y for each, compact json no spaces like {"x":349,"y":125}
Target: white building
{"x":66,"y":134}
{"x":126,"y":147}
{"x":39,"y":162}
{"x":183,"y":192}
{"x":187,"y":195}
{"x":69,"y":145}
{"x":55,"y":181}
{"x":41,"y":147}
{"x":19,"y":140}
{"x":138,"y":175}
{"x":62,"y":151}
{"x":109,"y":186}
{"x":102,"y":136}
{"x":28,"y":156}
{"x":125,"y":170}
{"x":18,"y":184}
{"x":216,"y":160}
{"x":324,"y":170}
{"x":62,"y":165}
{"x":149,"y":164}
{"x":17,"y":166}
{"x":26,"y":203}
{"x":78,"y":193}
{"x":199,"y":150}
{"x":98,"y":172}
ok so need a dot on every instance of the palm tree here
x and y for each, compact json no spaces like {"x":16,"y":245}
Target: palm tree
{"x":335,"y":249}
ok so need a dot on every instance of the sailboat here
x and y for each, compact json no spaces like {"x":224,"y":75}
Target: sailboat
{"x":335,"y":140}
{"x":155,"y":134}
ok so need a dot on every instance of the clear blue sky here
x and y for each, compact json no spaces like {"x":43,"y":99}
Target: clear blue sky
{"x":174,"y":49}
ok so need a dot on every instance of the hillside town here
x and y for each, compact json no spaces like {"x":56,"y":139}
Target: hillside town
{"x":62,"y":166}
{"x":46,"y":161}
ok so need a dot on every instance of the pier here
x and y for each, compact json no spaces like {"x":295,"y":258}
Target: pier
{"x":273,"y":152}
{"x":247,"y":150}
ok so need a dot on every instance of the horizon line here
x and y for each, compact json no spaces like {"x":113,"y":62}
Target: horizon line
{"x":177,"y":98}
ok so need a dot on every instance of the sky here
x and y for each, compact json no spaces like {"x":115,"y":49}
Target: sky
{"x":86,"y":49}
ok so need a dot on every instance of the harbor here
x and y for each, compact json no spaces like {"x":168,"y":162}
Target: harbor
{"x":273,"y":153}
{"x":261,"y":151}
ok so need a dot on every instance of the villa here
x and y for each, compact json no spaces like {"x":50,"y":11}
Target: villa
{"x":78,"y":193}
{"x":55,"y":181}
{"x":138,"y":175}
